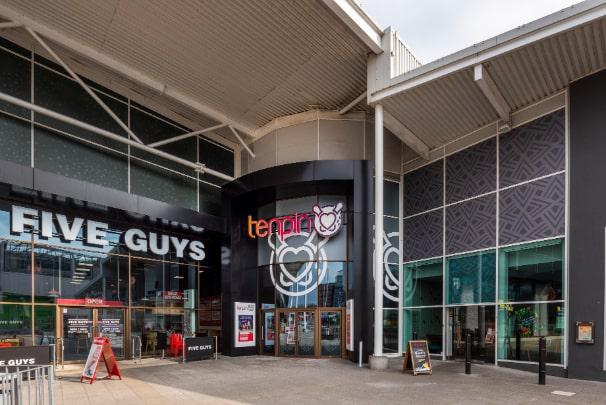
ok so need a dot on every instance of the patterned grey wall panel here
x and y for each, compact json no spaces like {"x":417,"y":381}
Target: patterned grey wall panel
{"x":533,"y":150}
{"x":423,"y":188}
{"x":423,"y":236}
{"x":472,"y":171}
{"x":471,"y":224}
{"x":532,"y":211}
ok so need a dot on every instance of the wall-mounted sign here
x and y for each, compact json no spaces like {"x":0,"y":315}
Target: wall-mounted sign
{"x":98,"y":302}
{"x":173,"y":295}
{"x":94,"y":233}
{"x":326,"y":221}
{"x":349,"y":320}
{"x":245,"y":324}
{"x":585,"y":333}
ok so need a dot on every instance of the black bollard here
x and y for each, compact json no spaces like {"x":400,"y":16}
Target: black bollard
{"x":542,"y":358}
{"x":518,"y":343}
{"x":468,"y":354}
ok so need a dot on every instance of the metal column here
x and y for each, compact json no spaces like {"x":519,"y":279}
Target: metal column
{"x":378,"y":335}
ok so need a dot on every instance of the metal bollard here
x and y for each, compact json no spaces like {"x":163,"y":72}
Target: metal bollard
{"x":468,"y":354}
{"x":360,"y":354}
{"x":542,"y":360}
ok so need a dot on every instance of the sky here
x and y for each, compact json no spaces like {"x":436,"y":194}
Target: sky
{"x":436,"y":28}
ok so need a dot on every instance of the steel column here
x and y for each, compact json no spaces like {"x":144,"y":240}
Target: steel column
{"x":378,"y":265}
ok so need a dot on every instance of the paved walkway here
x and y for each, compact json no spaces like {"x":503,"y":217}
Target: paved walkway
{"x":261,"y":380}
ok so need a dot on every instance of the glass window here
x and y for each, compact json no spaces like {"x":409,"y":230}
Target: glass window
{"x":423,"y":283}
{"x":390,"y":331}
{"x":532,"y":272}
{"x":161,"y":284}
{"x":391,"y":197}
{"x":15,"y":136}
{"x":44,"y":319}
{"x":16,"y":324}
{"x":391,"y":285}
{"x":521,"y":325}
{"x":471,"y":278}
{"x":15,"y":81}
{"x":217,"y":158}
{"x":295,"y":205}
{"x":154,"y":328}
{"x":210,"y":199}
{"x":335,"y":246}
{"x":73,"y":274}
{"x":331,"y":291}
{"x":267,"y":292}
{"x":423,"y":323}
{"x":477,"y":321}
{"x":296,"y":285}
{"x":15,"y":271}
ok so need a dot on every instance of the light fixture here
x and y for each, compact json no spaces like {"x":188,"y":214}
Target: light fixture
{"x":87,"y":269}
{"x":179,"y":277}
{"x":85,"y":264}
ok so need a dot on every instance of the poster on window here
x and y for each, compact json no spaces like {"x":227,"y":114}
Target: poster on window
{"x":349,"y":312}
{"x":244,"y":324}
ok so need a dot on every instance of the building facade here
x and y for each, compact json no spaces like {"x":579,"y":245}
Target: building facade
{"x":330,"y":198}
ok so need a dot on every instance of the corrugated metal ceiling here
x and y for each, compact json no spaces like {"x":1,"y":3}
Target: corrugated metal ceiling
{"x":451,"y":106}
{"x":253,"y":61}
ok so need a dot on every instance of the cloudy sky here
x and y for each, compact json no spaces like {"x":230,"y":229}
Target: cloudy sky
{"x":436,"y":28}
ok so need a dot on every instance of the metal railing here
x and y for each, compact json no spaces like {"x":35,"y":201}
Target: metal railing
{"x":133,"y":352}
{"x":31,"y":385}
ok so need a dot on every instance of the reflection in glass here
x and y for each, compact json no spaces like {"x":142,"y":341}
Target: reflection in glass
{"x":521,"y":325}
{"x":471,"y":278}
{"x":532,"y":272}
{"x":77,"y":332}
{"x":157,"y":284}
{"x":287,"y":333}
{"x":330,"y":333}
{"x":15,"y":325}
{"x":479,"y":322}
{"x":296,"y":285}
{"x":110,"y":323}
{"x":306,"y":331}
{"x":390,"y":331}
{"x":424,"y":324}
{"x":44,"y":319}
{"x":423,"y":283}
{"x":269,"y":332}
{"x":74,"y":274}
{"x":154,"y":326}
{"x":330,"y":290}
{"x":15,"y":271}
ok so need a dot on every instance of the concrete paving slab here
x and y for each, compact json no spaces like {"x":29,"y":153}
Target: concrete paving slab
{"x":261,"y":380}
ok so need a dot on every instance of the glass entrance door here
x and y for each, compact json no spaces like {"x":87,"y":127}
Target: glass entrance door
{"x":77,"y":333}
{"x":268,"y":331}
{"x":305,"y":332}
{"x":81,"y":324}
{"x":477,"y":320}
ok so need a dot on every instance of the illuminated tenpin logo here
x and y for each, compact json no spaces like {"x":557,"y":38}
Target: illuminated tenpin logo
{"x":297,"y":243}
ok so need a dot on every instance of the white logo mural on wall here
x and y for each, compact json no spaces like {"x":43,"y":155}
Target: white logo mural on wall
{"x":304,"y":246}
{"x":391,"y":254}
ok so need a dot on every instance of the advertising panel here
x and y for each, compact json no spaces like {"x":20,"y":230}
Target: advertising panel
{"x":245,"y":324}
{"x":199,"y":348}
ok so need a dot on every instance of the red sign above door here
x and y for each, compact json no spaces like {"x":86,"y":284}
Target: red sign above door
{"x":98,"y":302}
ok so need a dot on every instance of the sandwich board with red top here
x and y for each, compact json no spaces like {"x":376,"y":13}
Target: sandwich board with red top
{"x":101,"y":348}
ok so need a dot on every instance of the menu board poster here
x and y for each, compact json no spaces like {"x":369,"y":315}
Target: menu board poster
{"x":417,"y":357}
{"x":585,"y":333}
{"x":245,"y":324}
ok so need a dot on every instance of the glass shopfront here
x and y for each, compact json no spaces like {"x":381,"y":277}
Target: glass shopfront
{"x":301,"y":280}
{"x":67,"y":277}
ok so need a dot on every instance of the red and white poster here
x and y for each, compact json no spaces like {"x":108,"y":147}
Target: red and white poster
{"x":245,"y":324}
{"x":100,"y":349}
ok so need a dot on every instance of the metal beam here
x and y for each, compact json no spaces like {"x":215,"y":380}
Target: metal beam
{"x":405,"y":135}
{"x":82,"y":84}
{"x":199,"y":167}
{"x":491,"y":91}
{"x":244,"y":145}
{"x":358,"y":21}
{"x":9,"y":24}
{"x":353,"y":103}
{"x":185,"y":136}
{"x":121,"y":68}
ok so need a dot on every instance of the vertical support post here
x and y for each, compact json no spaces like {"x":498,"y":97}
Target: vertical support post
{"x":468,"y":354}
{"x":542,"y":360}
{"x":378,"y":331}
{"x":360,"y":354}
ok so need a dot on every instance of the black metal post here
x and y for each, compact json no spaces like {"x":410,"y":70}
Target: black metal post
{"x":542,"y":360}
{"x":468,"y":354}
{"x":518,"y":343}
